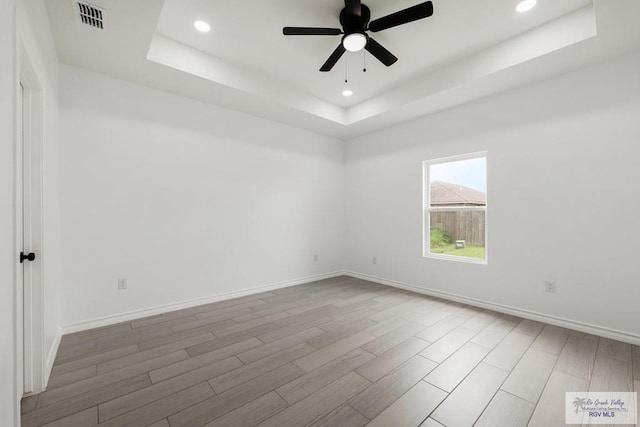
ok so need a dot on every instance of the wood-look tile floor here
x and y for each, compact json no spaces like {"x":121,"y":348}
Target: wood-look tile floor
{"x":338,"y":352}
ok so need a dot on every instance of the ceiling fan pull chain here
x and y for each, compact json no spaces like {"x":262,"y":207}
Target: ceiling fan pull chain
{"x":346,"y":69}
{"x":364,"y":61}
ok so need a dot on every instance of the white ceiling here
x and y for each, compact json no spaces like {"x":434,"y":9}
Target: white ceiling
{"x":466,"y":50}
{"x":248,"y":34}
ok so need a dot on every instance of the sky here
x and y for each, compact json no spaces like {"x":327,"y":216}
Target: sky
{"x":470,"y":173}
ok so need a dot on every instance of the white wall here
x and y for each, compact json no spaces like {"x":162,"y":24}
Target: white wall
{"x":25,"y":24}
{"x":563,"y":191}
{"x":186,"y":200}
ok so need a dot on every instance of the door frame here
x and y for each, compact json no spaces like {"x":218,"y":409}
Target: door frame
{"x":31,"y":359}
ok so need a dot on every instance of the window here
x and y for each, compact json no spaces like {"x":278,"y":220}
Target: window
{"x":455,"y":208}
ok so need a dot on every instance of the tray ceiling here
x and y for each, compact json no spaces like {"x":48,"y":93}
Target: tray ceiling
{"x":468,"y":49}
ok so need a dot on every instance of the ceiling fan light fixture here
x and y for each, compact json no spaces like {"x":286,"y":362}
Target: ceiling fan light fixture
{"x":526,"y":5}
{"x":355,"y":20}
{"x":354,"y":42}
{"x":347,"y":92}
{"x":202,"y":26}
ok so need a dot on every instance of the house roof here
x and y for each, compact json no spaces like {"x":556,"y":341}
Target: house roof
{"x":449,"y":194}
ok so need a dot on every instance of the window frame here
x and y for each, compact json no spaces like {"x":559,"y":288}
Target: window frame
{"x":427,"y":209}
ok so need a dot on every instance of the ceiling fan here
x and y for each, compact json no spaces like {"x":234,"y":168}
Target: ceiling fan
{"x":354,"y":19}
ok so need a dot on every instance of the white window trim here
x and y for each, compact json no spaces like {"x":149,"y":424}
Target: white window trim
{"x":426,"y":209}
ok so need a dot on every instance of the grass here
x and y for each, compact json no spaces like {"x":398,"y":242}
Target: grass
{"x":440,"y":238}
{"x":467,"y":251}
{"x":442,"y":243}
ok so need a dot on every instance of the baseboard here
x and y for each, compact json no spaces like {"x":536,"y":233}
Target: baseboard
{"x":515,"y":311}
{"x":51,"y":357}
{"x":627,"y":337}
{"x":150,"y":311}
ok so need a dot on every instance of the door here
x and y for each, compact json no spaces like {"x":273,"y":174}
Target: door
{"x":19,"y":238}
{"x":29,"y":232}
{"x":27,"y":257}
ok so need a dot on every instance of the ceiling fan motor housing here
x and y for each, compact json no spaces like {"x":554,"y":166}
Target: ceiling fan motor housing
{"x":352,"y":23}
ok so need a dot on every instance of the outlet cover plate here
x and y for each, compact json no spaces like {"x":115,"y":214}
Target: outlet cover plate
{"x":550,"y":286}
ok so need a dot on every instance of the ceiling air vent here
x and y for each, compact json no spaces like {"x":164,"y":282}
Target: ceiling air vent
{"x":91,"y":15}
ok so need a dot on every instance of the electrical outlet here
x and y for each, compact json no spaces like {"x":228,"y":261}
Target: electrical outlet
{"x":550,"y":286}
{"x":122,"y":284}
{"x":374,"y":260}
{"x":315,"y":258}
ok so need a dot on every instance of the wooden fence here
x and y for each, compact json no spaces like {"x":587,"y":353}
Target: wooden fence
{"x":461,"y":225}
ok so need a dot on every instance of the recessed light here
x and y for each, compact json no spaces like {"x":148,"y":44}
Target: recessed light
{"x":526,"y":5}
{"x":202,"y":26}
{"x":347,"y":92}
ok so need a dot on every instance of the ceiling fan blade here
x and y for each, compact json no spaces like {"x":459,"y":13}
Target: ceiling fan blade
{"x":382,"y":54}
{"x":310,"y":31}
{"x":420,"y":11}
{"x":354,"y":7}
{"x":335,"y":56}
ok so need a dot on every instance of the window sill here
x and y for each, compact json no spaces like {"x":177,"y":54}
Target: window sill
{"x":467,"y":260}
